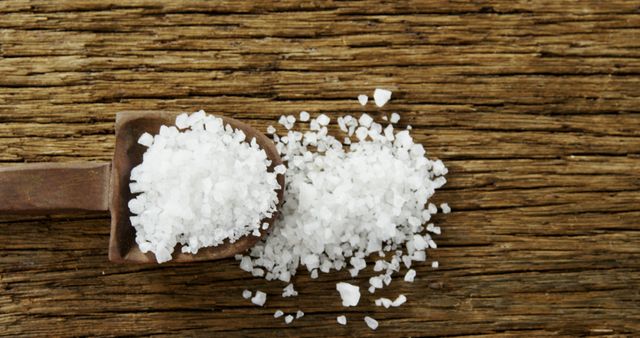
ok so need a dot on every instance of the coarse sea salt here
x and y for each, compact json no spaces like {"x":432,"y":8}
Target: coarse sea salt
{"x":199,"y":186}
{"x":288,"y":319}
{"x":246,"y":294}
{"x":445,"y":208}
{"x":410,"y":276}
{"x":363,"y":99}
{"x":350,"y":294}
{"x":278,"y":314}
{"x":259,"y":299}
{"x":371,"y":323}
{"x":381,"y":96}
{"x":288,"y":291}
{"x":342,"y":320}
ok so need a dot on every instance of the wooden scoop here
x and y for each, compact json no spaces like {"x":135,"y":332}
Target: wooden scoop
{"x":48,"y":188}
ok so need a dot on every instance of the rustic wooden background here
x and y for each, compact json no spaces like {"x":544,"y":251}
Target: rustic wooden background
{"x":534,"y":106}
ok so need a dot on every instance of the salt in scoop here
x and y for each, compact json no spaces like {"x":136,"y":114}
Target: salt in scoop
{"x":49,"y":188}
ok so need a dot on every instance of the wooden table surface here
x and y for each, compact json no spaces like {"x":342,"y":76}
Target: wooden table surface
{"x":533,"y":105}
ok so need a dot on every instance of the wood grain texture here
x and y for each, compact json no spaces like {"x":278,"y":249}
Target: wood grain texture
{"x":534,"y":106}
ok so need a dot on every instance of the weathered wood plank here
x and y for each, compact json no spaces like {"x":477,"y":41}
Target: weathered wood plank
{"x":534,"y":106}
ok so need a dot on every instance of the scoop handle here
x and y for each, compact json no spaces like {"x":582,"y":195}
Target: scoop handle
{"x":48,"y":188}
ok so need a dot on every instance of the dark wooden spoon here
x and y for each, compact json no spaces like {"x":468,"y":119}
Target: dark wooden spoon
{"x":48,"y":188}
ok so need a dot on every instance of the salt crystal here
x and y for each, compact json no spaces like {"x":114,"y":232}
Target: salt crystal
{"x":365,"y":120}
{"x":259,"y":299}
{"x":376,"y":282}
{"x":386,"y":302}
{"x":350,"y":294}
{"x":435,"y":264}
{"x":245,"y":264}
{"x":280,"y":169}
{"x":363,"y":99}
{"x":399,"y":301}
{"x":395,"y":117}
{"x":278,"y":314}
{"x":445,"y":208}
{"x":246,"y":294}
{"x":288,"y":319}
{"x":271,"y":129}
{"x":410,"y":276}
{"x":304,"y":116}
{"x":288,"y":291}
{"x":381,"y":96}
{"x":182,"y":121}
{"x":342,"y":320}
{"x":371,"y":323}
{"x":323,"y":120}
{"x":361,"y":133}
{"x":299,"y":314}
{"x":146,"y":140}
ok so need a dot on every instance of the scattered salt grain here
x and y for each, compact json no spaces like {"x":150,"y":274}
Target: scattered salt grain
{"x":395,"y":117}
{"x":304,"y":116}
{"x":371,"y":323}
{"x":386,"y":302}
{"x":381,"y":96}
{"x":410,"y":276}
{"x":435,"y":264}
{"x":376,"y":282}
{"x":278,"y":314}
{"x":342,"y":320}
{"x":271,"y":129}
{"x":246,"y":294}
{"x":288,"y":319}
{"x":399,"y":301}
{"x":288,"y":291}
{"x":363,"y":99}
{"x":299,"y":314}
{"x":350,"y":294}
{"x":445,"y":208}
{"x":259,"y":299}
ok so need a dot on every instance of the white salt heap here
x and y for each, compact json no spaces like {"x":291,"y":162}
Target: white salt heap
{"x":199,"y":187}
{"x":341,"y":205}
{"x":346,"y":203}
